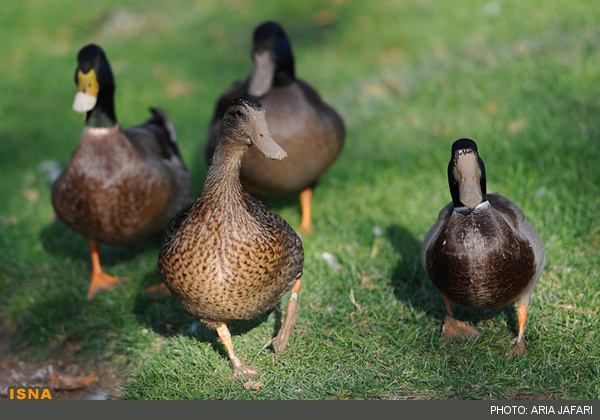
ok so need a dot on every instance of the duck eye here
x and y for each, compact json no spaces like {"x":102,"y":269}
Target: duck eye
{"x":238,"y":113}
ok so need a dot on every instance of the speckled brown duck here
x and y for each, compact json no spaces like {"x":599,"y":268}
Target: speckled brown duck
{"x":120,"y":187}
{"x":311,"y":131}
{"x":481,"y":252}
{"x":226,"y":257}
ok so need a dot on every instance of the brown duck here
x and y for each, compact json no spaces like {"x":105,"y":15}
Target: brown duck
{"x":481,"y":252}
{"x":226,"y":257}
{"x":310,"y":131}
{"x":120,"y":187}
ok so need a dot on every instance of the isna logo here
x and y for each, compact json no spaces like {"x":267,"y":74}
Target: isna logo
{"x":30,"y":393}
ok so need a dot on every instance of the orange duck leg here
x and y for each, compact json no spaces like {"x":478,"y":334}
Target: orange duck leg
{"x":453,"y":328}
{"x":239,"y":367}
{"x":305,"y":205}
{"x":519,"y":344}
{"x":100,"y":280}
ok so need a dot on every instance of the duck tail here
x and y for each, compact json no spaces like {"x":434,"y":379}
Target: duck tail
{"x":160,"y":118}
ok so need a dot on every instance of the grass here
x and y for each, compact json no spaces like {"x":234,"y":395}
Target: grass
{"x":520,"y":78}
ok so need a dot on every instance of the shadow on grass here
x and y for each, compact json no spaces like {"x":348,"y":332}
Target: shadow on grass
{"x":412,"y":285}
{"x":63,"y":242}
{"x":58,"y":316}
{"x":409,"y":281}
{"x":165,"y":316}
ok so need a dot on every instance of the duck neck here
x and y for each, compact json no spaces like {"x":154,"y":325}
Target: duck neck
{"x":103,"y":115}
{"x":285,"y":73}
{"x":223,"y":178}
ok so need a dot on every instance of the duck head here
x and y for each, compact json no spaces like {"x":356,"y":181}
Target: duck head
{"x":466,"y":175}
{"x":245,"y":123}
{"x":273,"y":59}
{"x":95,"y":85}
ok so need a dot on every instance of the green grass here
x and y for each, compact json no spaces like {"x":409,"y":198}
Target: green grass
{"x":520,"y":78}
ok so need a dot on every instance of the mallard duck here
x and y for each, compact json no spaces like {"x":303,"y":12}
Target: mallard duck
{"x":120,"y":187}
{"x":309,"y":130}
{"x":226,"y":257}
{"x":481,"y":252}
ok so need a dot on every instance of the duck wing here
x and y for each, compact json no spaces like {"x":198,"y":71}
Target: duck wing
{"x":284,"y":237}
{"x":435,"y":230}
{"x":156,"y":136}
{"x":516,"y":219}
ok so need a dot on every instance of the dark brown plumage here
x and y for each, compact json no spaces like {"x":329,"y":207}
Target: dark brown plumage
{"x":481,"y":252}
{"x":226,"y":257}
{"x":490,"y":252}
{"x":120,"y":187}
{"x":309,"y":130}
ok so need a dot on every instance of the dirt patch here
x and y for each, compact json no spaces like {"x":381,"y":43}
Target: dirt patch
{"x":68,"y":379}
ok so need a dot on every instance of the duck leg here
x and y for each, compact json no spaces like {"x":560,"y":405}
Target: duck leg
{"x":100,"y":280}
{"x":239,"y":367}
{"x":519,"y":347}
{"x":283,"y":337}
{"x":305,"y":206}
{"x":453,"y":328}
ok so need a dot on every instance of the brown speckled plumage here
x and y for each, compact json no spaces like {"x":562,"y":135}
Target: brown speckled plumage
{"x":309,"y":129}
{"x":485,"y":254}
{"x":226,"y":257}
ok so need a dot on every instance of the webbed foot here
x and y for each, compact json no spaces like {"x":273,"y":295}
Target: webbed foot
{"x":453,"y":328}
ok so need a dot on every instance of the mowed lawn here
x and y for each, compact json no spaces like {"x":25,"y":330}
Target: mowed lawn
{"x":409,"y":77}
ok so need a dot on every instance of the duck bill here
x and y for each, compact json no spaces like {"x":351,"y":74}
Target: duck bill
{"x":470,"y":193}
{"x":468,"y":173}
{"x":262,"y":74}
{"x":262,"y":139}
{"x":87,"y":92}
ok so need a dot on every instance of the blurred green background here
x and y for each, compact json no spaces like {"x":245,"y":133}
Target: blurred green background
{"x":409,"y":77}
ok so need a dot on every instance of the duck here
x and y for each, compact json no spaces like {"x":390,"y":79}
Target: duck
{"x":309,"y":129}
{"x":481,"y":252}
{"x":225,"y":257}
{"x":120,"y":187}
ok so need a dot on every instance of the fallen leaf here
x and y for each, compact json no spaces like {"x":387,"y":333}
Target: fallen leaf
{"x":31,"y":195}
{"x":492,"y":108}
{"x":517,"y":126}
{"x":358,"y":307}
{"x":373,"y":90}
{"x":178,"y":88}
{"x":58,"y":381}
{"x":324,"y":18}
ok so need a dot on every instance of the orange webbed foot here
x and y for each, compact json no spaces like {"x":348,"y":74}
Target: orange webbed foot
{"x":304,"y":231}
{"x":240,"y":369}
{"x":519,"y":349}
{"x":102,"y":281}
{"x":453,"y":328}
{"x":158,"y":290}
{"x":245,"y":372}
